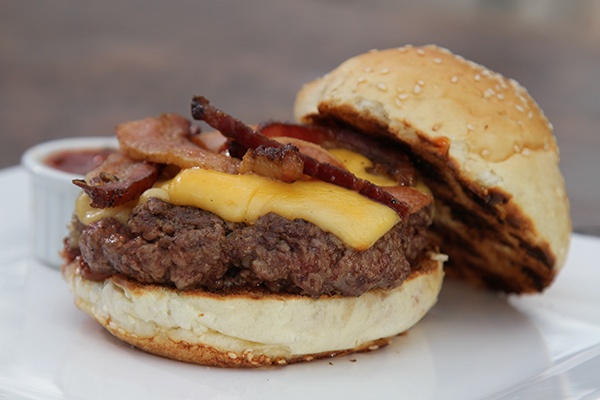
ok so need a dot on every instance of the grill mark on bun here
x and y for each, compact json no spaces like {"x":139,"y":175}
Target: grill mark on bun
{"x":481,"y":220}
{"x":485,"y":214}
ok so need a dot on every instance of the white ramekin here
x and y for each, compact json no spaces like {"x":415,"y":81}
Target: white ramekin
{"x":53,"y":194}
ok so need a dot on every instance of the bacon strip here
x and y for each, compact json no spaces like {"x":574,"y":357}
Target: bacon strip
{"x":166,"y":140}
{"x":396,"y":162}
{"x":312,"y":150}
{"x":250,"y":138}
{"x":118,"y":180}
{"x":411,"y":196}
{"x":283,"y":163}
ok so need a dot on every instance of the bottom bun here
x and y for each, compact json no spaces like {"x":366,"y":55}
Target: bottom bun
{"x":252,"y":328}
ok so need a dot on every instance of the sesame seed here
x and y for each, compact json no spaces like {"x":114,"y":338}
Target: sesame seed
{"x":488,"y":93}
{"x":519,"y":107}
{"x":420,"y":51}
{"x":523,"y":100}
{"x":384,"y":71}
{"x":470,"y":127}
{"x":477,"y":77}
{"x":398,"y":102}
{"x":436,"y":127}
{"x":417,"y":89}
{"x":400,"y":89}
{"x":437,"y":60}
{"x":485,"y":152}
{"x":382,"y":87}
{"x":403,"y":96}
{"x":530,"y":115}
{"x":454,"y":79}
{"x":368,"y":69}
{"x":281,"y":361}
{"x":526,"y":152}
{"x":517,"y":148}
{"x":373,"y":347}
{"x":232,"y":355}
{"x":500,"y":96}
{"x":420,"y":82}
{"x":360,"y":80}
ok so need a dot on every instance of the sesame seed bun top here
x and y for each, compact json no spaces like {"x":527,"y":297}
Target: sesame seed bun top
{"x":482,"y":144}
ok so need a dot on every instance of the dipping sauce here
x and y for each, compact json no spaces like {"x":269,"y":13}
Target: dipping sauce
{"x":77,"y":161}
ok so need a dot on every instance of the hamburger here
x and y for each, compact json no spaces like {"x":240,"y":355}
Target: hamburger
{"x":286,"y":242}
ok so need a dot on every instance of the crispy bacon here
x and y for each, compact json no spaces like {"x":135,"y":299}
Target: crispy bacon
{"x":213,"y":141}
{"x":312,"y":150}
{"x":387,"y":155}
{"x":411,"y":196}
{"x":294,"y":169}
{"x":166,"y":140}
{"x":250,"y":138}
{"x":282,"y":163}
{"x":118,"y":180}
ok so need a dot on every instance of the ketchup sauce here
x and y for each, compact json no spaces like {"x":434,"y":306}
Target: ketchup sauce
{"x":77,"y":161}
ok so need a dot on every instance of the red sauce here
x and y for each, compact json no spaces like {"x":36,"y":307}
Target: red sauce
{"x":87,"y":273}
{"x":77,"y":161}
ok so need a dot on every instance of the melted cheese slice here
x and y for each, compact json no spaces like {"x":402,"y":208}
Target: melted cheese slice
{"x":86,"y":214}
{"x":356,"y":220}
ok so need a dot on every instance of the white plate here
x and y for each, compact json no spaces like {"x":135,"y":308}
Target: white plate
{"x":473,"y":344}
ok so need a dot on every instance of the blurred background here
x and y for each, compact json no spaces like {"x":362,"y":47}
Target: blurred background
{"x":74,"y":68}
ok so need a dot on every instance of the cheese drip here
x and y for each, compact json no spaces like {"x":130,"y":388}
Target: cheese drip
{"x":356,"y":220}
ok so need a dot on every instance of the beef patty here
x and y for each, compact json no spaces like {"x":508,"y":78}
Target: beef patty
{"x":191,"y":248}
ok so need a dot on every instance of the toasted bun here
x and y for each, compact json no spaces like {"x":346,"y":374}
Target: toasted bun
{"x":482,"y":145}
{"x":251,"y":329}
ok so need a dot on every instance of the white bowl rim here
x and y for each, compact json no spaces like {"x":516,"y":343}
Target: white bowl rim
{"x":33,"y":158}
